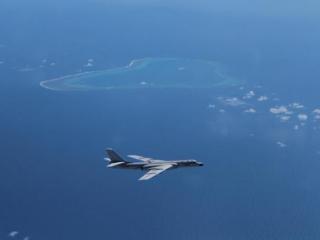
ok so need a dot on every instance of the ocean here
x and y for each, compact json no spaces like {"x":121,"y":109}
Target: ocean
{"x":260,"y":175}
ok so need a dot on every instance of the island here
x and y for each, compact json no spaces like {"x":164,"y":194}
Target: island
{"x":148,"y":73}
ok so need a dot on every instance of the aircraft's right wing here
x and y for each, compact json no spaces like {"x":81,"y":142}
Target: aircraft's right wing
{"x":156,"y":170}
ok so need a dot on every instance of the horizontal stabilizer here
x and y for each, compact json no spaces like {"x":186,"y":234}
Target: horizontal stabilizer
{"x":115,"y":164}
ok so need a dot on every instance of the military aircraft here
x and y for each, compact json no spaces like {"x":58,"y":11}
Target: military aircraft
{"x":153,"y":166}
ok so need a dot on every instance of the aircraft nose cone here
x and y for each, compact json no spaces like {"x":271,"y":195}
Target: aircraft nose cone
{"x":200,"y":164}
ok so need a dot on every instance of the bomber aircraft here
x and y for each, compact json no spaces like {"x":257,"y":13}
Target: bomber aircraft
{"x":153,"y":166}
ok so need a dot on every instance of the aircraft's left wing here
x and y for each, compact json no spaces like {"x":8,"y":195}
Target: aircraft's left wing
{"x":141,"y":158}
{"x":156,"y":170}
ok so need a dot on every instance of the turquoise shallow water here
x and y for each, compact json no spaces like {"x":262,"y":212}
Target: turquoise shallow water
{"x":148,"y":73}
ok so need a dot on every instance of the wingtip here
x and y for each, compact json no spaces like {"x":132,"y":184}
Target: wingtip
{"x":142,"y":179}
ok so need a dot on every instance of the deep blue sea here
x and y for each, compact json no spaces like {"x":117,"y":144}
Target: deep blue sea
{"x":261,"y":176}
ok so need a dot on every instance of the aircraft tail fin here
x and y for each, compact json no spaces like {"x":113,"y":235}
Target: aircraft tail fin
{"x":114,"y":157}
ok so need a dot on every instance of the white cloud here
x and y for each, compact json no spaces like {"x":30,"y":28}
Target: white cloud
{"x":222,"y":110}
{"x":143,"y":83}
{"x":249,"y":95}
{"x":1,"y":62}
{"x":181,"y":68}
{"x":250,"y":110}
{"x":89,"y":64}
{"x":302,"y":117}
{"x":316,"y":111}
{"x":296,"y":105}
{"x":13,"y":234}
{"x":52,"y":64}
{"x":262,"y":98}
{"x":281,"y":144}
{"x":296,"y":127}
{"x":90,"y":60}
{"x":280,"y":110}
{"x":212,"y":106}
{"x":234,"y":101}
{"x":285,"y":118}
